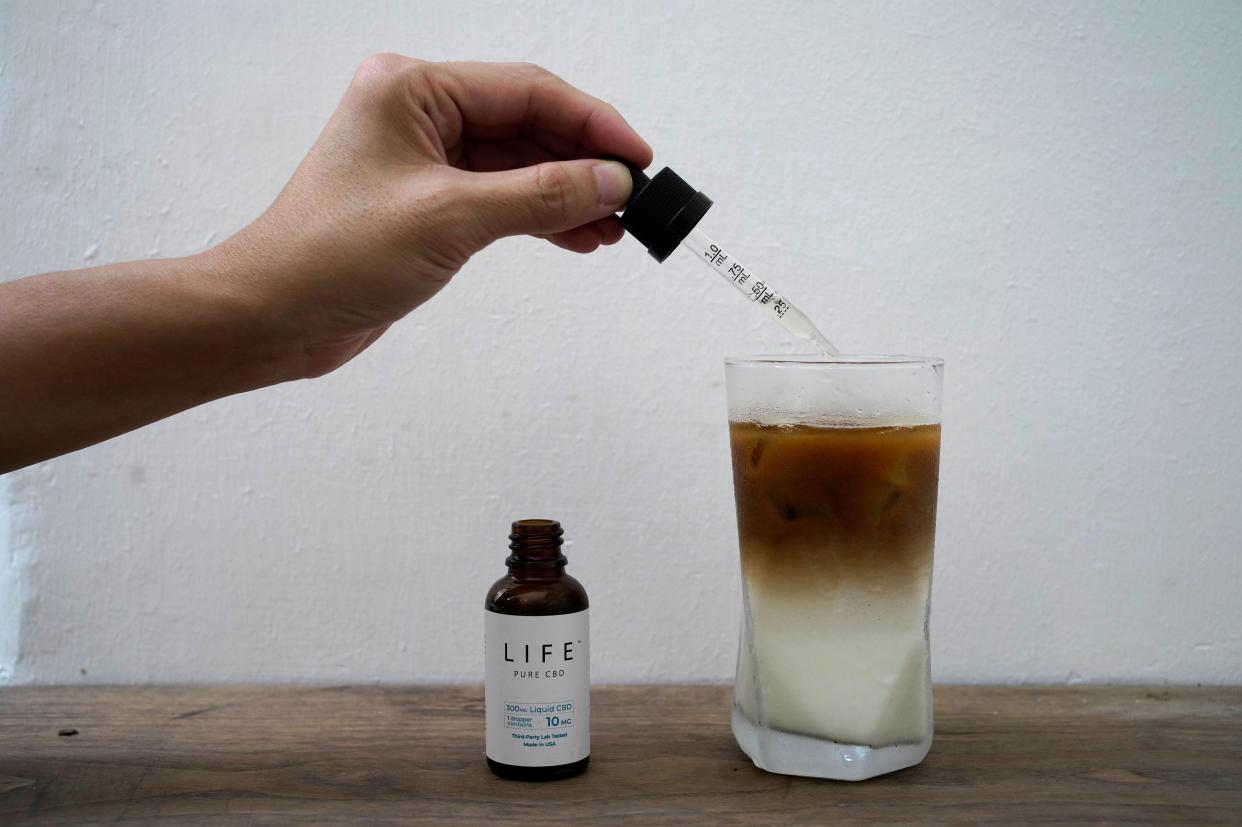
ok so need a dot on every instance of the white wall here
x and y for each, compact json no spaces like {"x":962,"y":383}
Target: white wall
{"x":1047,"y":195}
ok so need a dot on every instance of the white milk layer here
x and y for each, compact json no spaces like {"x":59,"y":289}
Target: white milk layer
{"x":851,"y":666}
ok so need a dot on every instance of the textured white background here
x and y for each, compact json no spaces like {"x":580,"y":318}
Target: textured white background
{"x":1047,"y":195}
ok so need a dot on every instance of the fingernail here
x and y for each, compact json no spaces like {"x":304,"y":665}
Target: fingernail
{"x":612,"y":184}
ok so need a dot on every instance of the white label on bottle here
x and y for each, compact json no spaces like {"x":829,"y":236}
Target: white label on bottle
{"x":538,"y":689}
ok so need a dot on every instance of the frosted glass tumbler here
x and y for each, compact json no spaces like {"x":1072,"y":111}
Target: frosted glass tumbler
{"x":835,"y":468}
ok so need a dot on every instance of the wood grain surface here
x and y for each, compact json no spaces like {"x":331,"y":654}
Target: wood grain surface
{"x":660,"y":755}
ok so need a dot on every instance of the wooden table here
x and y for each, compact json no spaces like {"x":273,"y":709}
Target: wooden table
{"x":412,"y":755}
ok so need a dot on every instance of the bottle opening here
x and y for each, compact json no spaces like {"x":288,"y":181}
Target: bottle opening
{"x":536,"y":541}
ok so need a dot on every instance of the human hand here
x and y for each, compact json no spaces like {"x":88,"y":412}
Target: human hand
{"x":421,"y":166}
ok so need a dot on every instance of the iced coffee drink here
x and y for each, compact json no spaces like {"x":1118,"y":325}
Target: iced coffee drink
{"x":835,"y":469}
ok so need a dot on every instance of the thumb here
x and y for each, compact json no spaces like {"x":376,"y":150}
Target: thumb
{"x":549,"y":197}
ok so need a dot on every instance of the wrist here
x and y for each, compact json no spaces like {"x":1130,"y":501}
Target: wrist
{"x":263,"y":347}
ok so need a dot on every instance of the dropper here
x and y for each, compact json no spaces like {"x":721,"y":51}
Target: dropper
{"x":664,"y":211}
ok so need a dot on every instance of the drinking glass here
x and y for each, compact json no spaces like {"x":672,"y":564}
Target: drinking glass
{"x":835,"y":466}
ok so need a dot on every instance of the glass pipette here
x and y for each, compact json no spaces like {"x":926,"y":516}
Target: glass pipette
{"x":664,"y":211}
{"x":757,"y":290}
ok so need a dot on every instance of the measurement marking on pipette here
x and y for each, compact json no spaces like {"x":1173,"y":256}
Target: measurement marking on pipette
{"x":664,"y":211}
{"x":757,"y":290}
{"x":737,"y":274}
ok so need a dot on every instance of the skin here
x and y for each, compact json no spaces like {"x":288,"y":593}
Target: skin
{"x":420,"y":166}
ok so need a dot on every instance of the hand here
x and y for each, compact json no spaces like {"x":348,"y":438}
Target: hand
{"x":421,"y":166}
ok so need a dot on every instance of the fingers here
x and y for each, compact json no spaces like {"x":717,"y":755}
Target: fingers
{"x":584,"y":239}
{"x":529,"y":142}
{"x":505,"y":101}
{"x":589,"y":237}
{"x":610,"y":229}
{"x":493,"y":156}
{"x":547,"y":198}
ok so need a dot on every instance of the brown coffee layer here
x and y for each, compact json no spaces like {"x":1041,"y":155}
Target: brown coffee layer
{"x":819,"y":507}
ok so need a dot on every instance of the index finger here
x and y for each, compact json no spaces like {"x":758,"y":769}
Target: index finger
{"x":508,"y":100}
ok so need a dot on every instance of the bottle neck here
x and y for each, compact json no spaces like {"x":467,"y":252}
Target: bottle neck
{"x":523,"y":570}
{"x":535,"y":547}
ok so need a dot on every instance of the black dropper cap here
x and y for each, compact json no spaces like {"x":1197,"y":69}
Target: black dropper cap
{"x":661,"y":210}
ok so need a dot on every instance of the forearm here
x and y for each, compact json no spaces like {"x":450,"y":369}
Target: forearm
{"x":89,"y":354}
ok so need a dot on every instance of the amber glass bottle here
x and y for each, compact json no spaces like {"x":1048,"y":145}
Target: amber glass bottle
{"x":538,"y":673}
